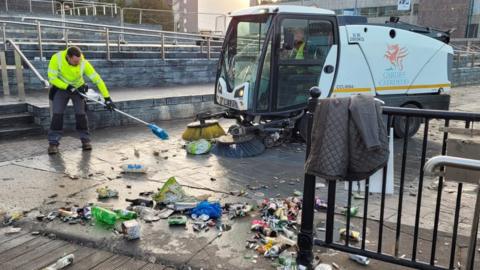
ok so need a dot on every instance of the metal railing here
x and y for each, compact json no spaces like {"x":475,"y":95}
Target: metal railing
{"x":107,"y":30}
{"x":61,"y":7}
{"x":136,"y":15}
{"x":19,"y":58}
{"x":218,"y":19}
{"x":402,"y":248}
{"x":440,"y":162}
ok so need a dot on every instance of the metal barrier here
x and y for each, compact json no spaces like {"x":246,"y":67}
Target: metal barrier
{"x":19,"y":58}
{"x":61,"y":7}
{"x":220,"y":27}
{"x":447,"y":121}
{"x":107,"y":31}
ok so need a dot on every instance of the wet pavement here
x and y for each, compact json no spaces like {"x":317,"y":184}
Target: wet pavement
{"x":37,"y":183}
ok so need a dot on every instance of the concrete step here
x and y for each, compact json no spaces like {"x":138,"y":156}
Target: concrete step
{"x":19,"y":131}
{"x":9,"y":120}
{"x":13,"y":109}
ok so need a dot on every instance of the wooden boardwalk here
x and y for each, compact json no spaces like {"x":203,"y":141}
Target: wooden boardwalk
{"x":27,"y":252}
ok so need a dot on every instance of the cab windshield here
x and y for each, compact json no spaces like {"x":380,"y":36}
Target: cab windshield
{"x":243,"y":49}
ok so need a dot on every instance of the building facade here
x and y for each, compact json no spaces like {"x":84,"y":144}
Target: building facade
{"x":461,"y":16}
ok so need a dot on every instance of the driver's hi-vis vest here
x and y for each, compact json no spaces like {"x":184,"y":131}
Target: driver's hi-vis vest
{"x":61,"y":73}
{"x":299,"y":53}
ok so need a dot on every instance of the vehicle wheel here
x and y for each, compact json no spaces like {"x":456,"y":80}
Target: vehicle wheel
{"x":399,"y":124}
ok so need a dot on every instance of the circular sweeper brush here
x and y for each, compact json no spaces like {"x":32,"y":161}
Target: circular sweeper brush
{"x":204,"y":129}
{"x":238,"y":146}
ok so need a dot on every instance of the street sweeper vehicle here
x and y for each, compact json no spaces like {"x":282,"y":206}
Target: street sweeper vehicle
{"x":273,"y":55}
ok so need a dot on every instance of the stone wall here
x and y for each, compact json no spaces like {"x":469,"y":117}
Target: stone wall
{"x":135,"y":73}
{"x":149,"y":110}
{"x":466,"y":76}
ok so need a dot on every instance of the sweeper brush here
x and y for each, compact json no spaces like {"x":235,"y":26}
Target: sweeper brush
{"x":203,"y":129}
{"x":238,"y":146}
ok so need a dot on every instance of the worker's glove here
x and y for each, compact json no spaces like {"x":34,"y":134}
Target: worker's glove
{"x":109,"y":105}
{"x":83,"y":89}
{"x":71,"y":89}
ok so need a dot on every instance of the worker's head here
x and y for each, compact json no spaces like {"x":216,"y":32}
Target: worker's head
{"x":74,"y":55}
{"x":298,"y":35}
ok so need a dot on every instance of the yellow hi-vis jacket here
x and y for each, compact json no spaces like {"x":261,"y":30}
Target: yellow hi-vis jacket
{"x":61,"y":73}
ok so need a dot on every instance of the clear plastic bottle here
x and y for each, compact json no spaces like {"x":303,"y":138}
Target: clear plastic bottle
{"x":134,"y":168}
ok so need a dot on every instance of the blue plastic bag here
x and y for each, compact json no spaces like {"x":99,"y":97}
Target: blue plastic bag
{"x":213,"y":210}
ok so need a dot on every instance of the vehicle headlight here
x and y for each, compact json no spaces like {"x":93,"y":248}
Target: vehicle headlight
{"x":219,"y":88}
{"x":239,"y":92}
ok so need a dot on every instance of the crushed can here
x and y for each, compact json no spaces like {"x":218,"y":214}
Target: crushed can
{"x":131,"y":229}
{"x":359,"y":259}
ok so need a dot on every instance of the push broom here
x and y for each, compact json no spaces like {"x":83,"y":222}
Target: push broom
{"x":158,"y":131}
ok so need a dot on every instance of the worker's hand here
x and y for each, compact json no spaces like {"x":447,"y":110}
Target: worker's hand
{"x":71,"y":89}
{"x":109,"y":105}
{"x":83,"y":89}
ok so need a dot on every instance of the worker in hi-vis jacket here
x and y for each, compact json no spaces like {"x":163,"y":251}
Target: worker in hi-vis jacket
{"x":65,"y":74}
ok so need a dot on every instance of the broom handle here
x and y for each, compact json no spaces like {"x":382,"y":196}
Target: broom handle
{"x":115,"y":109}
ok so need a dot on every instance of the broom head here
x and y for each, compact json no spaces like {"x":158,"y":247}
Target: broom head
{"x":207,"y":130}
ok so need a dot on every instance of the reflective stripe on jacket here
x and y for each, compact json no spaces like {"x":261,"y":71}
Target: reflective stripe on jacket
{"x":61,"y":73}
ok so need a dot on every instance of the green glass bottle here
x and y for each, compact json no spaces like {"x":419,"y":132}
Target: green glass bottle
{"x":125,"y":214}
{"x":104,"y":215}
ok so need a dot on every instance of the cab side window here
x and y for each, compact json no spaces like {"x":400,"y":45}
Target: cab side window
{"x":304,"y":46}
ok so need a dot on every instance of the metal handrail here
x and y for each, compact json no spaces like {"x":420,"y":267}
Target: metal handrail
{"x":175,"y":35}
{"x":142,"y":10}
{"x":121,"y":28}
{"x":61,"y":4}
{"x":107,"y":32}
{"x":25,"y":59}
{"x":434,"y":164}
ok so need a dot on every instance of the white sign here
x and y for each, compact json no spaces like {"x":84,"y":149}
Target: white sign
{"x":404,"y":4}
{"x":376,"y":180}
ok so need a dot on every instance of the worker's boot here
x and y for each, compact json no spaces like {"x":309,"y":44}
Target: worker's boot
{"x":52,"y":149}
{"x":86,"y":146}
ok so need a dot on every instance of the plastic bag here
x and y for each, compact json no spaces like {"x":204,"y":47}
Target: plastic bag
{"x":213,"y":210}
{"x":199,"y":147}
{"x":170,"y":192}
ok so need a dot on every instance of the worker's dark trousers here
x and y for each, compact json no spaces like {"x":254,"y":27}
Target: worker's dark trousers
{"x":60,"y":100}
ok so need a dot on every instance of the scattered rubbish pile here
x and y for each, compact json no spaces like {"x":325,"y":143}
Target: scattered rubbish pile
{"x":275,"y":232}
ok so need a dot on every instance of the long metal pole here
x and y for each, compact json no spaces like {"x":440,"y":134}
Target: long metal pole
{"x":30,"y":5}
{"x":4,"y":36}
{"x":473,"y":236}
{"x":107,"y":39}
{"x":19,"y":73}
{"x":39,"y":34}
{"x":3,"y":62}
{"x":6,"y":5}
{"x":62,"y":11}
{"x":25,"y":59}
{"x":305,"y":237}
{"x":163,"y":46}
{"x":115,"y":109}
{"x":122,"y":25}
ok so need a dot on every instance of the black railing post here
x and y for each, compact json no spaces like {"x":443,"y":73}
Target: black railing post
{"x":305,"y":237}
